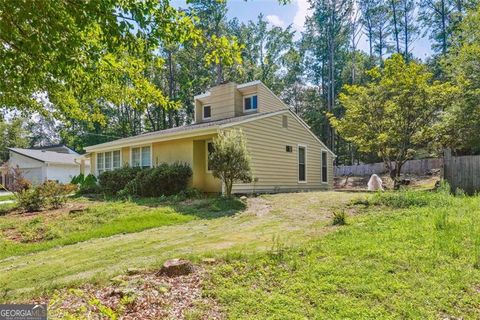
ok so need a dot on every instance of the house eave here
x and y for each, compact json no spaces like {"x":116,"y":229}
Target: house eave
{"x":152,"y":138}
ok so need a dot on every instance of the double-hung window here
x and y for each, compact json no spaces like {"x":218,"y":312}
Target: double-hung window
{"x":250,"y":103}
{"x":100,"y":163}
{"x":141,"y":157}
{"x":207,"y":112}
{"x":107,"y":161}
{"x":302,"y":164}
{"x":324,"y":167}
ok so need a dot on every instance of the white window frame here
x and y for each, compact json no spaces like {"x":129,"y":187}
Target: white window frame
{"x":203,"y":112}
{"x":206,"y":156}
{"x":249,"y":96}
{"x":298,"y":162}
{"x":321,"y":168}
{"x":104,"y":166}
{"x":140,"y":147}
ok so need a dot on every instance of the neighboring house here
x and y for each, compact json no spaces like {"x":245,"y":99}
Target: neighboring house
{"x":39,"y":165}
{"x":285,"y":154}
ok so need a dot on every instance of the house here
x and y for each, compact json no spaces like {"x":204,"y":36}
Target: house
{"x":285,"y":154}
{"x":57,"y":163}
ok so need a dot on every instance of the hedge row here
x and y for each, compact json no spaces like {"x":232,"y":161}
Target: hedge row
{"x":165,"y":179}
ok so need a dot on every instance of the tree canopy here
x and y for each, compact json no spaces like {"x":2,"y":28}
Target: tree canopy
{"x":393,"y":113}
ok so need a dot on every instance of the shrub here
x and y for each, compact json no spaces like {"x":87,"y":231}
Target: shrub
{"x":111,"y":182}
{"x":230,"y":160}
{"x":55,"y":194}
{"x":164,"y":180}
{"x":30,"y":199}
{"x":339,"y":218}
{"x":86,"y":184}
{"x":48,"y":194}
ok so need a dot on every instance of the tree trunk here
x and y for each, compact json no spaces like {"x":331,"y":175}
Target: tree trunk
{"x":444,"y":27}
{"x":395,"y":24}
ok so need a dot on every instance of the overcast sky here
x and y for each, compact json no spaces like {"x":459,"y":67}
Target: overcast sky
{"x":293,"y":13}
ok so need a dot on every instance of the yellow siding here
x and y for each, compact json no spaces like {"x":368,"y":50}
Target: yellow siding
{"x":125,"y":156}
{"x":173,"y":151}
{"x":93,"y":163}
{"x":274,"y":169}
{"x":267,"y":101}
{"x":202,"y":179}
{"x":221,"y":100}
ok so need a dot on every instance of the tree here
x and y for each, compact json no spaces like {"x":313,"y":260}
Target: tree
{"x":13,"y":135}
{"x":393,"y":114}
{"x":229,"y":160}
{"x":460,"y":127}
{"x":45,"y":44}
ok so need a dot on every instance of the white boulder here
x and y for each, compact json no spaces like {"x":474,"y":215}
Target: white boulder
{"x":375,"y":183}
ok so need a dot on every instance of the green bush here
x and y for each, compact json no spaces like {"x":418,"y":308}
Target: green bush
{"x":339,"y":218}
{"x":111,"y":182}
{"x":31,"y":199}
{"x":164,"y":180}
{"x":48,"y":194}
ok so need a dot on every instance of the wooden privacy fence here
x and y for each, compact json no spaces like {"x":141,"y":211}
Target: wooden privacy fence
{"x":462,"y":172}
{"x":419,"y":167}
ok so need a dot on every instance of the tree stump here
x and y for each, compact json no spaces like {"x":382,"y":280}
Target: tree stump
{"x":176,"y":267}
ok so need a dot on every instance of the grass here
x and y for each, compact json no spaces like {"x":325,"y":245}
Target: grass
{"x":411,"y":254}
{"x":294,"y":219}
{"x":26,"y":233}
{"x":417,"y":262}
{"x":7,"y":197}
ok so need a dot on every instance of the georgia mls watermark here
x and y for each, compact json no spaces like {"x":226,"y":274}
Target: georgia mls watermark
{"x":23,"y":312}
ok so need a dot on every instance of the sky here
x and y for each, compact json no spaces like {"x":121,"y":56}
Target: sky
{"x":293,"y":14}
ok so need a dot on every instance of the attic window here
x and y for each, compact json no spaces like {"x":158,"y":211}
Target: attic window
{"x":207,"y":112}
{"x":285,"y":121}
{"x":250,"y":103}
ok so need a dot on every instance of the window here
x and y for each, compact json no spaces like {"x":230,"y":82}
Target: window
{"x":116,"y":159}
{"x":250,"y":103}
{"x":135,"y":157}
{"x":209,"y":152}
{"x":285,"y":121}
{"x":100,"y":163}
{"x":289,"y":148}
{"x":324,"y":167}
{"x":141,"y":157}
{"x":107,"y":161}
{"x":207,"y":112}
{"x":301,"y":164}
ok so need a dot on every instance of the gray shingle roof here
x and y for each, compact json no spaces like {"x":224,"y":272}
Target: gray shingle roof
{"x":47,"y":156}
{"x":186,"y":128}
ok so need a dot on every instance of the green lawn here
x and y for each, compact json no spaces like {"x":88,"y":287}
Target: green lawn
{"x":401,"y":255}
{"x":25,"y":233}
{"x":417,"y":262}
{"x":295,"y":218}
{"x":7,"y":197}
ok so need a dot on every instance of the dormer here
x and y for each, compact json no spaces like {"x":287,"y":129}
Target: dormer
{"x":234,"y":100}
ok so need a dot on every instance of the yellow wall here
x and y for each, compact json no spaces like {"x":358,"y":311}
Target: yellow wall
{"x":190,"y":150}
{"x":125,"y":156}
{"x":273,"y":167}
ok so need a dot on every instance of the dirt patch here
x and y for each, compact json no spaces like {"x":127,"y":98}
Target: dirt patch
{"x":258,"y":206}
{"x":360,"y":183}
{"x":144,"y":295}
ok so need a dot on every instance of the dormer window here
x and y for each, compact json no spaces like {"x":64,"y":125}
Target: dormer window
{"x":250,"y":103}
{"x":207,"y":112}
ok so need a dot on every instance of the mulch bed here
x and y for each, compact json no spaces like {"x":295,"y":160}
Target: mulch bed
{"x":142,"y":295}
